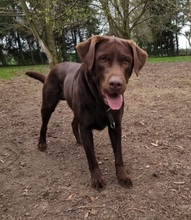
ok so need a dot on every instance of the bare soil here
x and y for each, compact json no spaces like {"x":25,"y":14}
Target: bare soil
{"x":56,"y":184}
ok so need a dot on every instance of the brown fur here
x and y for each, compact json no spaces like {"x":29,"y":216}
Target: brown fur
{"x":88,"y":88}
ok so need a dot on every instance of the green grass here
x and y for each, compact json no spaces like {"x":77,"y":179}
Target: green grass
{"x":13,"y":71}
{"x":169,"y":59}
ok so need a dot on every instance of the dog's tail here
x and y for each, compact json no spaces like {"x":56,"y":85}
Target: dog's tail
{"x":35,"y":75}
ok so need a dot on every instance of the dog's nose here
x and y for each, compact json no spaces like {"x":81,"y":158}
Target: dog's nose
{"x":115,"y":83}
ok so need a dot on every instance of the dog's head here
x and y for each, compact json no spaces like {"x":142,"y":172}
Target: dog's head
{"x":111,"y":61}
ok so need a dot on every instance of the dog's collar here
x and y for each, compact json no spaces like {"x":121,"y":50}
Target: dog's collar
{"x":111,"y":119}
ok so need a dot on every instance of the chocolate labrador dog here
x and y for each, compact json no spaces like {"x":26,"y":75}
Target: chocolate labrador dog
{"x":94,"y":90}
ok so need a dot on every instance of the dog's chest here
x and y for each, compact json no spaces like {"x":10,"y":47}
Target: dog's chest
{"x":100,"y":119}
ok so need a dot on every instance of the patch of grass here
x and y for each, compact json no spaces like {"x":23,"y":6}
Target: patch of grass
{"x":14,"y":71}
{"x":169,"y":59}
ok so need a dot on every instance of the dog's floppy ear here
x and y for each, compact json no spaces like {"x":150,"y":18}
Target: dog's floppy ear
{"x":86,"y":50}
{"x":139,"y":57}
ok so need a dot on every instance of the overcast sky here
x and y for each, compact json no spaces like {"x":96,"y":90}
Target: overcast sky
{"x":183,"y":42}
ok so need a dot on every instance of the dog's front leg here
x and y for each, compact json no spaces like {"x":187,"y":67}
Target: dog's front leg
{"x":97,"y":181}
{"x":115,"y":136}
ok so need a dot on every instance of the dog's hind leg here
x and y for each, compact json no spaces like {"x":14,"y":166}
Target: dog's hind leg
{"x":51,"y":98}
{"x":75,"y":128}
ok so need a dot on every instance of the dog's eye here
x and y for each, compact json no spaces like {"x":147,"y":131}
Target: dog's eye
{"x":126,"y":60}
{"x":103,"y":59}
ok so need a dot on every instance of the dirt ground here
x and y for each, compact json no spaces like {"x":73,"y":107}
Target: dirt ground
{"x":56,"y":184}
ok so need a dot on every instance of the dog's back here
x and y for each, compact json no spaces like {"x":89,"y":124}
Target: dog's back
{"x":57,"y":76}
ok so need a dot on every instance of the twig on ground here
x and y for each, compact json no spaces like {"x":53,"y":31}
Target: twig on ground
{"x":135,"y":209}
{"x":86,"y":207}
{"x":180,"y":183}
{"x":16,"y":157}
{"x":139,"y":176}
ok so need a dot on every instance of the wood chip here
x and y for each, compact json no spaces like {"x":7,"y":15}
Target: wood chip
{"x":180,"y":183}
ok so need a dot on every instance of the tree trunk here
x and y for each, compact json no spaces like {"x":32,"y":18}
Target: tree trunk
{"x":40,"y":54}
{"x":2,"y":56}
{"x":31,"y":52}
{"x":47,"y":45}
{"x":21,"y":59}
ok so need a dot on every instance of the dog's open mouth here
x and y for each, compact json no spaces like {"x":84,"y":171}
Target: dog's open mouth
{"x":114,"y":101}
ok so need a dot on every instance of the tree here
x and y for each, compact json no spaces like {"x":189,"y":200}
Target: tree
{"x":163,"y":14}
{"x":184,"y":19}
{"x":169,"y":17}
{"x":56,"y":27}
{"x":6,"y":26}
{"x":51,"y":20}
{"x":149,"y":22}
{"x":124,"y":15}
{"x":74,"y":26}
{"x":17,"y":47}
{"x":39,"y":20}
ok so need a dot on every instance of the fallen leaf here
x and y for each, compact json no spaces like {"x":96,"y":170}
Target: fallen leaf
{"x":86,"y":215}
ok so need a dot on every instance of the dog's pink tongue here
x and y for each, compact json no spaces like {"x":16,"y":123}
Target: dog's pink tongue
{"x":114,"y":102}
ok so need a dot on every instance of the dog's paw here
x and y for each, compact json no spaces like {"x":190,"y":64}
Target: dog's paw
{"x":98,"y":184}
{"x":123,"y":178}
{"x":42,"y":146}
{"x":125,"y":182}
